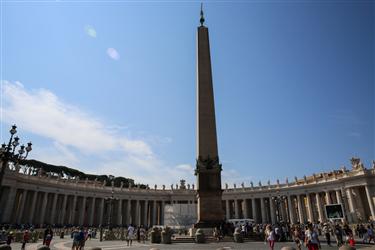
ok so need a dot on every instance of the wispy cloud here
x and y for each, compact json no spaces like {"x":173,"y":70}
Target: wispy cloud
{"x":90,"y":31}
{"x":76,"y":137}
{"x":112,"y":53}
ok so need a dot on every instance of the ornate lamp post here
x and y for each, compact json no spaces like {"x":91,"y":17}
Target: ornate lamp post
{"x":8,"y":152}
{"x":110,"y":199}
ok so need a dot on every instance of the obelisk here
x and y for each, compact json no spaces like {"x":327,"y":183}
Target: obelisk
{"x":208,"y":169}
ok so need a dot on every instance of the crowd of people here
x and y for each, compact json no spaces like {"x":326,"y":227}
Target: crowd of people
{"x":301,"y":234}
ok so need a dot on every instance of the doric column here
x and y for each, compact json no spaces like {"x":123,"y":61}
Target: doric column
{"x":101,"y":209}
{"x":8,"y":211}
{"x":338,"y":197}
{"x":245,"y":209}
{"x":328,"y":198}
{"x":92,"y":212}
{"x":83,"y":211}
{"x":73,"y":210}
{"x":319,"y":205}
{"x":351,"y":205}
{"x":154,"y":208}
{"x":350,"y":199}
{"x":309,"y":208}
{"x":300,"y":209}
{"x":129,"y":219}
{"x":370,"y":201}
{"x":43,"y":208}
{"x":137,"y":213}
{"x":263,"y":210}
{"x":236,"y":212}
{"x":254,"y":210}
{"x":145,"y":214}
{"x":291,"y":210}
{"x":22,"y":206}
{"x":63,"y":212}
{"x":119,"y":212}
{"x":162,"y":212}
{"x":272,"y":211}
{"x":53,"y":211}
{"x":283,"y":209}
{"x":227,"y":210}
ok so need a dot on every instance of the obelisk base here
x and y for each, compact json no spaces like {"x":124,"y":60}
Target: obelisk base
{"x":210,"y":212}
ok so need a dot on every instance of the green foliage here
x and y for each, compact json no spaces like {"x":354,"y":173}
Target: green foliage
{"x":35,"y":167}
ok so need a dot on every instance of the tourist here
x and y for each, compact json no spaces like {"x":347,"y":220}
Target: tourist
{"x":338,"y":235}
{"x":327,"y":233}
{"x":297,"y":237}
{"x":216,"y":234}
{"x":89,"y":233}
{"x":270,"y":236}
{"x":48,"y":239}
{"x":83,"y":238}
{"x":130,"y":235}
{"x":76,"y":239}
{"x":26,"y":238}
{"x":370,"y":234}
{"x":10,"y":238}
{"x":48,"y":231}
{"x":142,"y":233}
{"x":311,"y":238}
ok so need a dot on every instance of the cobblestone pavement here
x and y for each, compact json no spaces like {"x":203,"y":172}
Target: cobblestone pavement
{"x":65,"y":244}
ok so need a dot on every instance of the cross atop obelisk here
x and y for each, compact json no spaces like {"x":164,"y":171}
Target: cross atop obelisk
{"x":208,"y":168}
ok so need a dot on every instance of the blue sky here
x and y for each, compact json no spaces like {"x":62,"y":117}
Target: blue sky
{"x":109,"y":87}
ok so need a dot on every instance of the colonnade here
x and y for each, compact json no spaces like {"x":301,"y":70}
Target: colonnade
{"x":43,"y":199}
{"x":38,"y":207}
{"x":357,"y":203}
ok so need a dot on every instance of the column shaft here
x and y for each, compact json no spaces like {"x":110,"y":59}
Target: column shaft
{"x":145,"y":210}
{"x":92,"y":212}
{"x":263,"y":210}
{"x":300,"y":209}
{"x":245,"y":209}
{"x":227,"y":210}
{"x":272,"y":211}
{"x":370,"y":201}
{"x":338,"y":197}
{"x":8,"y":211}
{"x":22,"y":206}
{"x":83,"y":212}
{"x":154,"y":212}
{"x":319,"y":205}
{"x":236,"y":212}
{"x":73,"y":210}
{"x":291,"y":210}
{"x":101,"y":211}
{"x":254,"y":210}
{"x":129,"y":219}
{"x":137,"y":213}
{"x":328,"y":198}
{"x":63,"y":212}
{"x":309,"y":208}
{"x":119,"y":212}
{"x":53,"y":211}
{"x":43,"y":209}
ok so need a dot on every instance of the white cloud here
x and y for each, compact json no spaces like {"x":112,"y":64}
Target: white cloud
{"x":90,"y":31}
{"x":112,"y":53}
{"x":77,"y":139}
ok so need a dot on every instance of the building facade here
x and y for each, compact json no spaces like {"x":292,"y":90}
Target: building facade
{"x":50,"y":200}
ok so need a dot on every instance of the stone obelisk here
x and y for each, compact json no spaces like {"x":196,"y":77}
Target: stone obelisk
{"x":208,"y":169}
